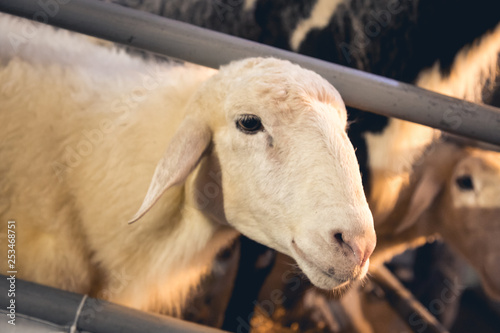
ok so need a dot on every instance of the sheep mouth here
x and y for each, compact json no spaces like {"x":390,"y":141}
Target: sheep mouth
{"x":329,"y":274}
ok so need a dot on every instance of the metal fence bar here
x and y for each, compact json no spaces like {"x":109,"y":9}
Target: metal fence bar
{"x":66,"y":309}
{"x":183,"y":41}
{"x":415,"y":315}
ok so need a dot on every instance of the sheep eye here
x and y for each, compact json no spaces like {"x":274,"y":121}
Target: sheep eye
{"x":465,"y":183}
{"x":249,"y":124}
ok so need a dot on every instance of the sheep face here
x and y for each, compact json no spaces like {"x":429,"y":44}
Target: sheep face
{"x":456,"y":193}
{"x":274,"y":135}
{"x":472,"y":223}
{"x":290,"y":178}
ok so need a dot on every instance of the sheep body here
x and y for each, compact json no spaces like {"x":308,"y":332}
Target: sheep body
{"x":84,"y":136}
{"x":64,"y":176}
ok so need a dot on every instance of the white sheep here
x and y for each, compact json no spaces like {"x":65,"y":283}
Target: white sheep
{"x":259,"y":147}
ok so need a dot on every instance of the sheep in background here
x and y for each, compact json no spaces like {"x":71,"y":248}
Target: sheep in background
{"x":453,"y":193}
{"x":259,"y":147}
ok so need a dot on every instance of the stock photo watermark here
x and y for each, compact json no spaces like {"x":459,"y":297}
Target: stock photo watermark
{"x":437,"y":306}
{"x":11,"y":271}
{"x":48,"y":9}
{"x":222,"y":8}
{"x":74,"y":154}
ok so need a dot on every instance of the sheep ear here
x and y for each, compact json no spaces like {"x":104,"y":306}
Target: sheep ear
{"x":182,"y":155}
{"x":426,"y":192}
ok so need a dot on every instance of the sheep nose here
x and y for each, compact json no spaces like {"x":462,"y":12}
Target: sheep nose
{"x":361,"y":247}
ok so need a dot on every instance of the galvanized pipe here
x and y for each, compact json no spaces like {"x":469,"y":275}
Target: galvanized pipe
{"x":183,"y":41}
{"x":68,"y":309}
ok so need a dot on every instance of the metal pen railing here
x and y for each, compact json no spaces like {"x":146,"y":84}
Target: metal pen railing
{"x":201,"y":46}
{"x":73,"y":312}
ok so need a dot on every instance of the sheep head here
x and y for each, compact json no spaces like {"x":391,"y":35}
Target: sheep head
{"x":457,"y":196}
{"x":473,"y":222}
{"x":274,"y":135}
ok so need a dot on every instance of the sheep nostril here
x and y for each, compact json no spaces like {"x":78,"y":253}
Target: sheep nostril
{"x":355,"y":248}
{"x":358,"y":249}
{"x":338,"y":237}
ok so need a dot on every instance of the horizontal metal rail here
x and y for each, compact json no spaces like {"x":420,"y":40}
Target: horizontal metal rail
{"x":81,"y":313}
{"x":190,"y":43}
